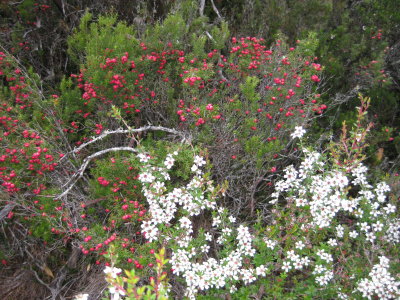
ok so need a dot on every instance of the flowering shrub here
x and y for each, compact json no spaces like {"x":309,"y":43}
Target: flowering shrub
{"x":321,"y":213}
{"x":240,"y":101}
{"x":82,"y":170}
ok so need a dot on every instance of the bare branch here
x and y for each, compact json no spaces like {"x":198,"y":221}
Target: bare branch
{"x":210,"y":36}
{"x":86,"y":162}
{"x":6,"y":209}
{"x":201,"y":7}
{"x":216,"y":10}
{"x":126,"y":131}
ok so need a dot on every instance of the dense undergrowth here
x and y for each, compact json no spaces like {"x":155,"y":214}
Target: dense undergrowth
{"x":205,"y":165}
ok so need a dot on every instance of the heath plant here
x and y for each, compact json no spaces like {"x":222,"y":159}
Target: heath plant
{"x":331,"y":232}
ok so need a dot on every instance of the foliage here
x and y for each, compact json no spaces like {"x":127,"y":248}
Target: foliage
{"x":230,"y":103}
{"x":246,"y":161}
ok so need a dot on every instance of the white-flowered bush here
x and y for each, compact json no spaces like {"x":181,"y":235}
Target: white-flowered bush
{"x":169,"y":221}
{"x":344,"y":220}
{"x":328,"y":226}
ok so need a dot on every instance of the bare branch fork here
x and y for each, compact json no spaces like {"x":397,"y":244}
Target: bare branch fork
{"x":74,"y":179}
{"x":126,"y":131}
{"x":202,"y":3}
{"x":86,"y":162}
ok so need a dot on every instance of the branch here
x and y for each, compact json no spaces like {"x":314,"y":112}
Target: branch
{"x":86,"y":162}
{"x":125,"y":131}
{"x":215,"y":10}
{"x":220,"y":71}
{"x":6,"y":209}
{"x":201,"y":7}
{"x":209,"y":36}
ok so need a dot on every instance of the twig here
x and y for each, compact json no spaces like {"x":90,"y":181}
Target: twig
{"x":4,"y":212}
{"x":216,"y":10}
{"x":210,"y":36}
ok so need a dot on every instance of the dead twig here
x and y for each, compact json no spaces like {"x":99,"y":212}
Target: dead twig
{"x":74,"y":179}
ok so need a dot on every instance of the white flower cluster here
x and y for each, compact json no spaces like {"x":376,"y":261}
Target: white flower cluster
{"x":324,"y":274}
{"x":271,"y":244}
{"x":295,"y":261}
{"x":111,"y":271}
{"x":298,"y":132}
{"x":115,"y":291}
{"x":162,"y":205}
{"x":324,"y":279}
{"x":393,"y":232}
{"x":360,"y":177}
{"x":381,"y":284}
{"x":325,"y":193}
{"x":212,"y":273}
{"x":190,"y":201}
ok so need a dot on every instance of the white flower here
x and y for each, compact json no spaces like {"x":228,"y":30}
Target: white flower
{"x":261,"y":270}
{"x":204,"y":248}
{"x":301,"y":202}
{"x":270,"y":243}
{"x":353,"y":234}
{"x":81,"y":297}
{"x":113,"y":272}
{"x":378,"y":226}
{"x":116,"y":292}
{"x":198,"y":160}
{"x":332,"y":242}
{"x":169,"y":162}
{"x":208,"y":236}
{"x":146,"y":177}
{"x":305,"y":261}
{"x":286,"y":266}
{"x":298,"y":132}
{"x":370,"y":236}
{"x":300,"y":245}
{"x":365,"y":227}
{"x":185,"y":223}
{"x":158,"y":186}
{"x":390,"y":208}
{"x":216,"y":221}
{"x":143,"y":157}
